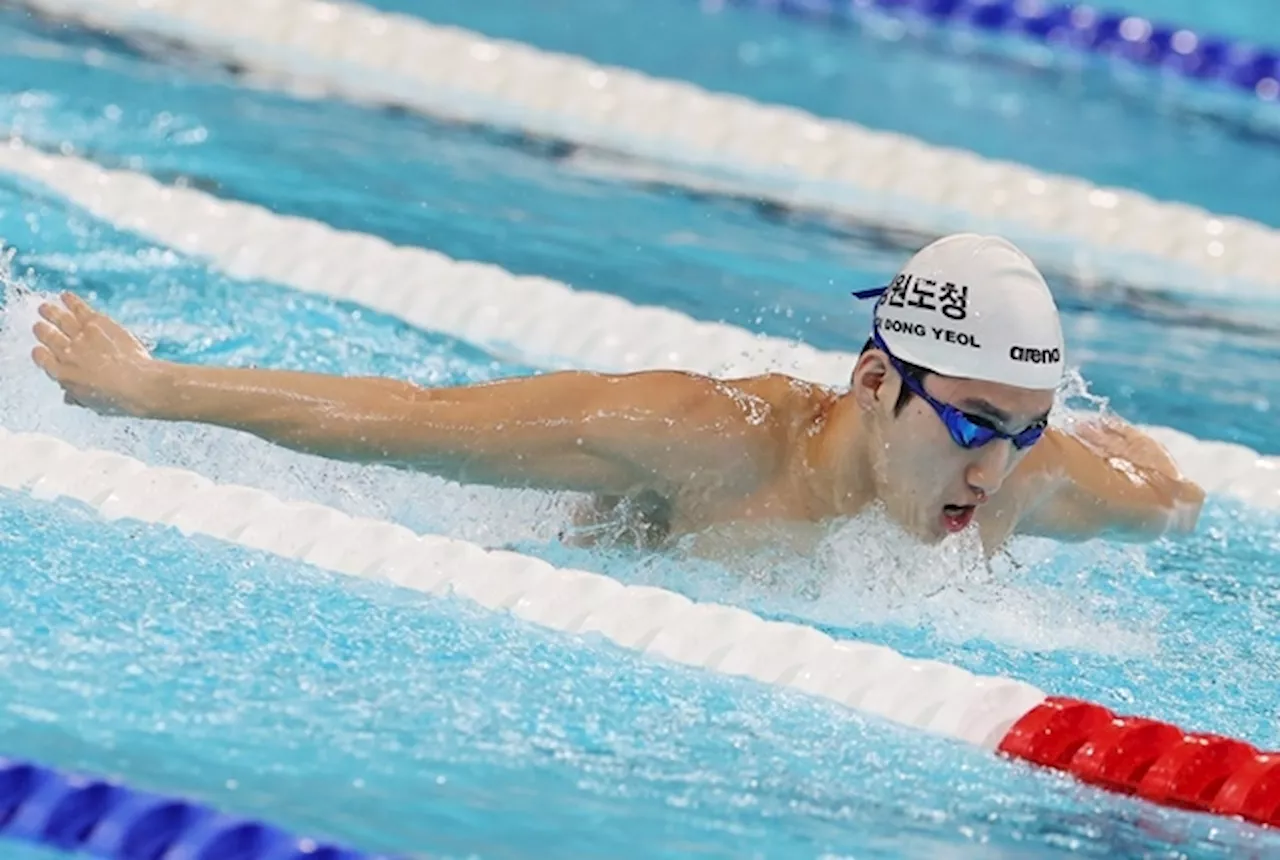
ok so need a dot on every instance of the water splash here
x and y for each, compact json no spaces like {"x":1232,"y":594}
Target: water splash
{"x":866,"y":575}
{"x":875,"y":573}
{"x":1073,"y":401}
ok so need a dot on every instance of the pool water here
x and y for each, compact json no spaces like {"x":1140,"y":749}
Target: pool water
{"x":1054,"y":111}
{"x":395,"y":721}
{"x":349,"y":707}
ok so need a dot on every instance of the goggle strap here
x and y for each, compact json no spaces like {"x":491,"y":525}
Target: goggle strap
{"x":871,"y":293}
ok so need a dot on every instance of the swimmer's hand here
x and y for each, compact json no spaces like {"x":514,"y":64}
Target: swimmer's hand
{"x":95,"y":360}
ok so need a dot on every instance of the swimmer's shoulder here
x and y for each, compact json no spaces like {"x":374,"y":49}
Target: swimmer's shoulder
{"x":792,"y":406}
{"x":782,"y":390}
{"x":755,"y":420}
{"x":763,"y":413}
{"x":785,"y":396}
{"x":777,"y":390}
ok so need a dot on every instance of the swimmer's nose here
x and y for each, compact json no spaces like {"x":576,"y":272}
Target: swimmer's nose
{"x":987,"y":473}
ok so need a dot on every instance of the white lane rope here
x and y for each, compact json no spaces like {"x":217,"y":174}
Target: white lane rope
{"x":351,"y":51}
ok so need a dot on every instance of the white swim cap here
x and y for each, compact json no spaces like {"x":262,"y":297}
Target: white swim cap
{"x":974,"y":307}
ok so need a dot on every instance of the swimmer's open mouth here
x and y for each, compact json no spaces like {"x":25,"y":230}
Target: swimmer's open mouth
{"x":957,"y":517}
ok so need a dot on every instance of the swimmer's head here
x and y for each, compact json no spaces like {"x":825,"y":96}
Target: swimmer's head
{"x":957,"y":379}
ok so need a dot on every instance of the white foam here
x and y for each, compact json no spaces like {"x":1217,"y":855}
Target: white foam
{"x":868,"y":571}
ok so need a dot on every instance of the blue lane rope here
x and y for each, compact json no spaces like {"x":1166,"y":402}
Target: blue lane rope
{"x":96,"y":818}
{"x":1116,"y":34}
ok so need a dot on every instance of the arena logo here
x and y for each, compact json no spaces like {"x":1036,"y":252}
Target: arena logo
{"x":1035,"y":356}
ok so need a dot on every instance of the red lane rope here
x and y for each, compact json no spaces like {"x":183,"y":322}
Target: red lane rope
{"x":1156,"y":761}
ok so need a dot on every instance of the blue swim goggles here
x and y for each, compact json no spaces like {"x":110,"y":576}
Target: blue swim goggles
{"x":968,"y":431}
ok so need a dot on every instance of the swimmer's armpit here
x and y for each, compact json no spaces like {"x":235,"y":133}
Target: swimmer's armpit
{"x":1107,"y":478}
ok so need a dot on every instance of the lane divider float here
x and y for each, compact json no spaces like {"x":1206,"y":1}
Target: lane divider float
{"x":95,"y":817}
{"x":775,"y":152}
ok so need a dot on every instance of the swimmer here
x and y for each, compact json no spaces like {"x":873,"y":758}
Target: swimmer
{"x":944,"y":423}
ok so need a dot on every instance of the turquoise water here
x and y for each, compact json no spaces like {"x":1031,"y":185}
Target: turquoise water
{"x":403,"y":722}
{"x":1058,"y":114}
{"x":392,"y":720}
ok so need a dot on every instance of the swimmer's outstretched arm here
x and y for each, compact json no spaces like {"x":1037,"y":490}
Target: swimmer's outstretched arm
{"x":1107,"y":478}
{"x":563,"y":431}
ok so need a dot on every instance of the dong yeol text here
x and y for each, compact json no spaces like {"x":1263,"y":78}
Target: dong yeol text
{"x":960,"y":338}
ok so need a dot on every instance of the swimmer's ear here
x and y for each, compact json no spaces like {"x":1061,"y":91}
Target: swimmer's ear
{"x":870,"y":374}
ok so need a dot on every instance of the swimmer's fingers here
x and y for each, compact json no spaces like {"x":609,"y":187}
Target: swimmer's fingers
{"x":52,"y":338}
{"x":79,"y":307}
{"x":61,"y":317}
{"x":45,"y":361}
